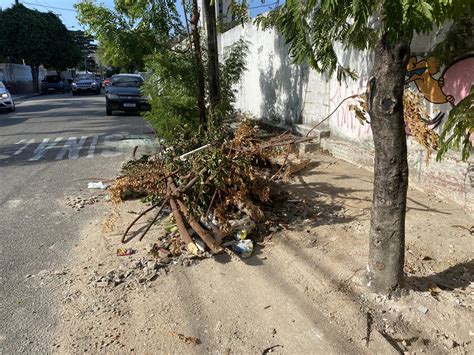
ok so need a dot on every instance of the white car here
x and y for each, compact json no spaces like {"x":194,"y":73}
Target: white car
{"x":6,"y":99}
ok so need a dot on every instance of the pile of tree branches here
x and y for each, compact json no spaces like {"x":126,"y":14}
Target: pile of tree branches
{"x":209,"y":186}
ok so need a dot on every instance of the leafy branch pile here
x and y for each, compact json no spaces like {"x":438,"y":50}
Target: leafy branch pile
{"x":232,"y":178}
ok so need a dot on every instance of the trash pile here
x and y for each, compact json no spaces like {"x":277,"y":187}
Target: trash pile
{"x":213,"y":196}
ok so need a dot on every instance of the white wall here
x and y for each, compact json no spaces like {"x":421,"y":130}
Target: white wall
{"x":273,"y":87}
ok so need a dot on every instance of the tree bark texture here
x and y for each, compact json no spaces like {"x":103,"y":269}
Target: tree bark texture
{"x":201,"y":94}
{"x":387,"y":225}
{"x":213,"y":55}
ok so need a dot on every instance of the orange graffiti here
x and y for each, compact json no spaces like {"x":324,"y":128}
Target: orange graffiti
{"x":421,"y":73}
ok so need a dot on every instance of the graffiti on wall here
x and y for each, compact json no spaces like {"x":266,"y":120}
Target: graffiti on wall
{"x":345,"y":118}
{"x":441,"y":88}
{"x":451,"y":86}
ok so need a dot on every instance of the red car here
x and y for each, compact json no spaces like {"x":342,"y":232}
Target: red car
{"x":105,"y":83}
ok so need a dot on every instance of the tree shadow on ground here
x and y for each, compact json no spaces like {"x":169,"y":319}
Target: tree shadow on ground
{"x":458,"y":276}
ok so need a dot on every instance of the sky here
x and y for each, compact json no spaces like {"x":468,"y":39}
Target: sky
{"x":65,"y":8}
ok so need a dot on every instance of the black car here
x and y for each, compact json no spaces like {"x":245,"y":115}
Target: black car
{"x":54,"y":83}
{"x":123,"y":94}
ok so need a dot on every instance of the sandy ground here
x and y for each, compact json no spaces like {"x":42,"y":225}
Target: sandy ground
{"x":298,"y":293}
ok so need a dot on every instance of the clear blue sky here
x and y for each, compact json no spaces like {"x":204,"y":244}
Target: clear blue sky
{"x":65,"y":8}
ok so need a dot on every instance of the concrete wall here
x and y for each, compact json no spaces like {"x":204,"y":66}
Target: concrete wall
{"x":275,"y":89}
{"x":272,"y":87}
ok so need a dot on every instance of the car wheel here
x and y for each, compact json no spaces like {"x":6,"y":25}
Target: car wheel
{"x":13,"y":108}
{"x":108,"y":111}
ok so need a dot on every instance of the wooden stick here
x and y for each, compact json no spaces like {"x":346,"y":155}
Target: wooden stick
{"x":183,"y":232}
{"x":282,"y":165}
{"x":204,"y":234}
{"x":135,"y":221}
{"x":153,"y":221}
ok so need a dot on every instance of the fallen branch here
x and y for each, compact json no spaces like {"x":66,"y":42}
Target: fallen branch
{"x":205,"y":235}
{"x":180,"y":224}
{"x":136,"y":220}
{"x":282,"y":165}
{"x":153,"y":221}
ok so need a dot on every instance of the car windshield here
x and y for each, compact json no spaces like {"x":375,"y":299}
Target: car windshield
{"x":85,"y":77}
{"x":52,"y":78}
{"x":127,"y":81}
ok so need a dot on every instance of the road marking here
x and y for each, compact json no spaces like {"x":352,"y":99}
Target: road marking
{"x":43,"y":148}
{"x":111,"y":140}
{"x":19,"y":151}
{"x":108,"y":146}
{"x":72,"y":147}
{"x":90,"y":154}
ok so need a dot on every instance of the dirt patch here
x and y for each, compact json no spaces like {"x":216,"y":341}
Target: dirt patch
{"x":298,"y":293}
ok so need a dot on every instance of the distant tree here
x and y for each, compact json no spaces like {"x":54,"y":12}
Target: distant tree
{"x":66,"y":52}
{"x":36,"y":37}
{"x":87,"y":48}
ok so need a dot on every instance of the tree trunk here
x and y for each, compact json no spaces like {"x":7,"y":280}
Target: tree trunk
{"x":35,"y":75}
{"x":213,"y":55}
{"x":387,"y":224}
{"x":199,"y":66}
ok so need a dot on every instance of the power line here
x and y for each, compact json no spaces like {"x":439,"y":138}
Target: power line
{"x":49,"y":7}
{"x":264,"y":5}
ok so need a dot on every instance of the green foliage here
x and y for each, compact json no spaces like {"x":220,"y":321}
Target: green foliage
{"x":458,"y":128}
{"x":173,"y":91}
{"x":458,"y":41}
{"x":131,"y":31}
{"x":36,"y":37}
{"x":313,"y":28}
{"x":231,"y":70}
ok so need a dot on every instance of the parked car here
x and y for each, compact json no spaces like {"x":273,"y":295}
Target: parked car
{"x":123,"y":94}
{"x":6,"y":99}
{"x":54,"y":83}
{"x":105,"y":83}
{"x":85,"y":83}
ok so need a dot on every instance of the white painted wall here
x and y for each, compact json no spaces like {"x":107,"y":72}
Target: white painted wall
{"x":273,"y":87}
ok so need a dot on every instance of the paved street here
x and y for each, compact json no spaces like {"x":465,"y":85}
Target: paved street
{"x":50,"y":148}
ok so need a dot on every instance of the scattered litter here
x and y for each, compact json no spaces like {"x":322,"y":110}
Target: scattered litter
{"x":96,"y":185}
{"x":200,"y":245}
{"x":187,"y":339}
{"x":125,"y":251}
{"x":243,"y":248}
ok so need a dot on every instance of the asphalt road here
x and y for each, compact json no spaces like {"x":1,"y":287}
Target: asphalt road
{"x":49,"y":149}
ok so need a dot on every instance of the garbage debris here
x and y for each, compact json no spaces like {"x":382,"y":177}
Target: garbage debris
{"x":243,"y":248}
{"x":219,"y":191}
{"x":125,"y":251}
{"x":96,"y":185}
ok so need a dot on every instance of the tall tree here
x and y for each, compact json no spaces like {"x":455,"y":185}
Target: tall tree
{"x":37,"y":38}
{"x":313,"y":28}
